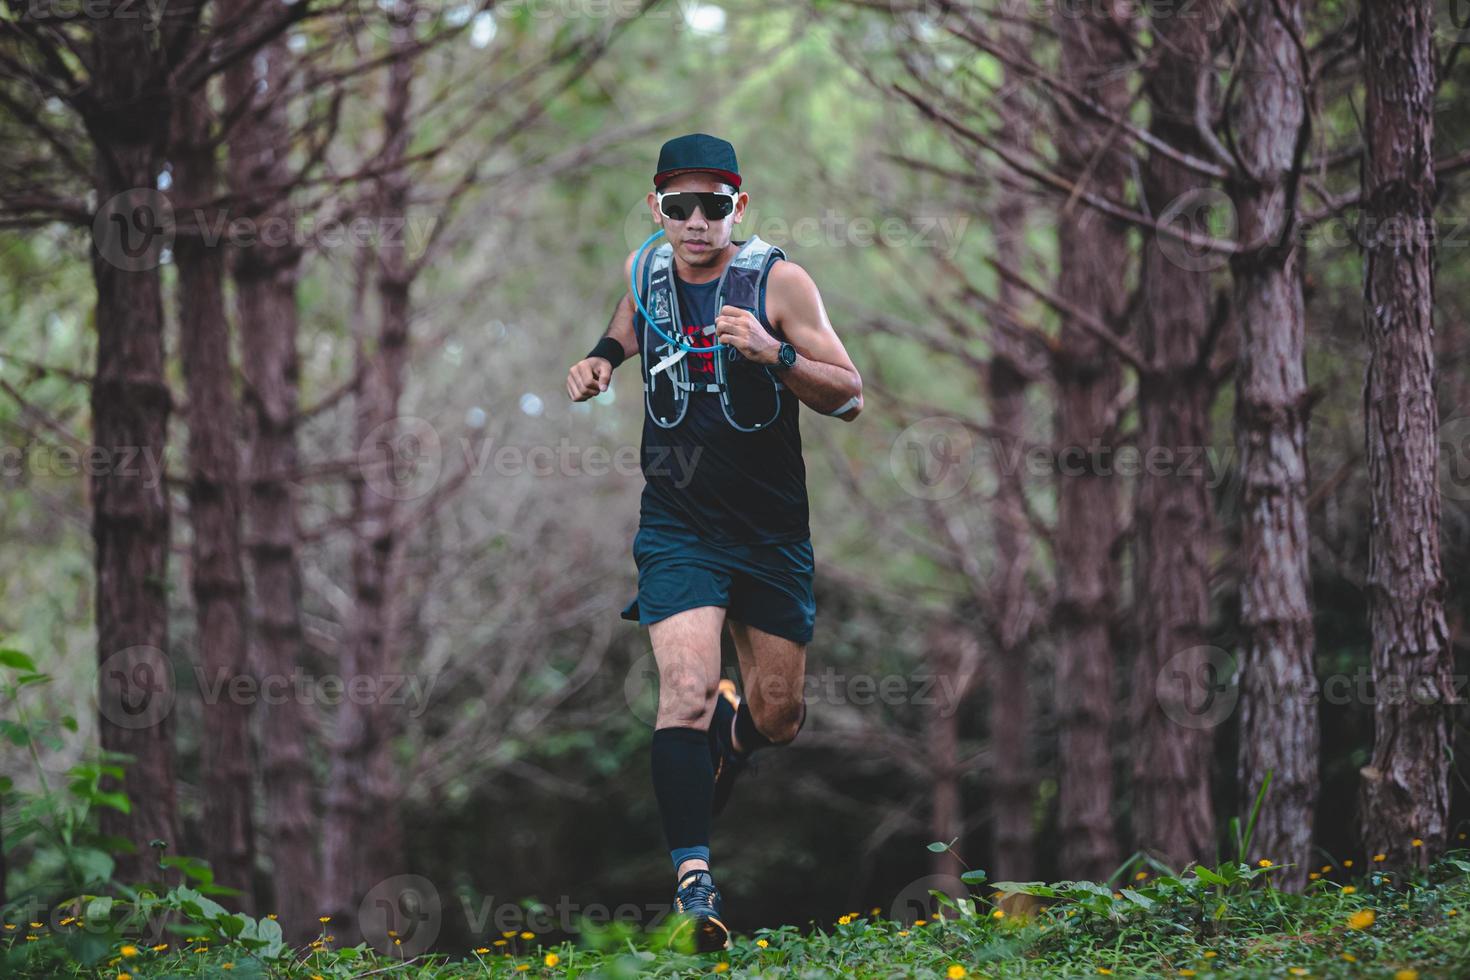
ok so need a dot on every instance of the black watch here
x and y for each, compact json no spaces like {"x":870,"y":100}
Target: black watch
{"x":785,"y":357}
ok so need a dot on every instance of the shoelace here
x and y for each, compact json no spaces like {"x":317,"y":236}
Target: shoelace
{"x":698,"y":895}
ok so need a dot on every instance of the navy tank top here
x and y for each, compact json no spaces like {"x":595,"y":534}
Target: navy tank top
{"x":704,"y":475}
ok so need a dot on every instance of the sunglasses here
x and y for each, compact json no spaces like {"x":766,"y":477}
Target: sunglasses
{"x":680,"y":205}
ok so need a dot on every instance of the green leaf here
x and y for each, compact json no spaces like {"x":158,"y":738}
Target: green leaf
{"x":18,"y":660}
{"x":1206,"y":875}
{"x":938,"y":847}
{"x":973,"y":877}
{"x":99,"y":909}
{"x":1140,"y":900}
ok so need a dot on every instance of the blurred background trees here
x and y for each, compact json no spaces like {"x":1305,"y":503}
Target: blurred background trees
{"x":1168,"y":427}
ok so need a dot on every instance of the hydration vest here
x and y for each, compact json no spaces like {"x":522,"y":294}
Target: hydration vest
{"x":750,"y":395}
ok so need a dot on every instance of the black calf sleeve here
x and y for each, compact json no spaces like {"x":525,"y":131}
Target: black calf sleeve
{"x":683,"y":784}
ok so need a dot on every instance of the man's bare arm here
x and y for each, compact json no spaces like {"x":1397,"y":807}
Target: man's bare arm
{"x":590,"y":376}
{"x":823,"y":376}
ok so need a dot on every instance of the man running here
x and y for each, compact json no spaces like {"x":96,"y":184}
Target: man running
{"x":723,"y":540}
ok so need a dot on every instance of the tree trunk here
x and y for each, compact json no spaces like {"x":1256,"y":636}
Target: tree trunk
{"x":130,"y":405}
{"x":1278,"y":719}
{"x":265,"y":275}
{"x":214,"y":514}
{"x":1012,"y":784}
{"x":364,"y":841}
{"x":1172,"y":814}
{"x":1405,"y":792}
{"x":1093,"y":255}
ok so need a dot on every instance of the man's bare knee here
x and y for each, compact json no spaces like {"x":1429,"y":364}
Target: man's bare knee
{"x":779,"y":721}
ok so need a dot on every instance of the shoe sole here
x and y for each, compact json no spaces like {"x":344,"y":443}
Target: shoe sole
{"x":726,"y":690}
{"x":710,"y":934}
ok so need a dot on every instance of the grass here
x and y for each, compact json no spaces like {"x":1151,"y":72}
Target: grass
{"x":1220,"y":922}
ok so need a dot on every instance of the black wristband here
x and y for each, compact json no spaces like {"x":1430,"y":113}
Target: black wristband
{"x":610,"y":349}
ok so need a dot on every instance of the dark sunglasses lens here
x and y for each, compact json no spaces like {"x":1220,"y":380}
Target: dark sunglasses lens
{"x":715,"y":206}
{"x":679,"y":206}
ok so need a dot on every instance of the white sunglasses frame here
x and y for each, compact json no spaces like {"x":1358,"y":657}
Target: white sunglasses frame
{"x":734,"y":197}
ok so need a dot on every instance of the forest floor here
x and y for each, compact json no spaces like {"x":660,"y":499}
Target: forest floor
{"x":1220,"y":922}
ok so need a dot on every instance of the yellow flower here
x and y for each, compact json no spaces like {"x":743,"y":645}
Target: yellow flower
{"x":528,"y":935}
{"x":10,"y":925}
{"x":124,"y":976}
{"x":1326,"y":868}
{"x":551,"y":959}
{"x":843,"y":920}
{"x":955,"y":971}
{"x":324,"y":919}
{"x":1348,"y":863}
{"x":1380,"y":857}
{"x":721,"y":967}
{"x":1349,"y":889}
{"x":227,"y":966}
{"x":1453,"y":912}
{"x":1312,"y":876}
{"x":500,"y":942}
{"x":1264,"y":862}
{"x":1210,"y":954}
{"x":999,"y":913}
{"x":1105,"y":971}
{"x":1186,"y":972}
{"x":903,"y":932}
{"x":762,"y":943}
{"x":523,"y":966}
{"x":1362,"y":919}
{"x":270,"y":915}
{"x":874,"y":910}
{"x":1406,"y":975}
{"x":35,"y":925}
{"x":1416,"y":842}
{"x":508,"y":933}
{"x":482,"y":950}
{"x":129,"y":950}
{"x":1350,"y":957}
{"x":1298,"y":971}
{"x":919,"y":922}
{"x":160,"y":947}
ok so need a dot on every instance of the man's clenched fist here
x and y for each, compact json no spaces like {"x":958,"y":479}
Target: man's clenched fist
{"x":588,"y":377}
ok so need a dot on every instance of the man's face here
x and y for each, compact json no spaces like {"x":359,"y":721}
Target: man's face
{"x":698,"y":240}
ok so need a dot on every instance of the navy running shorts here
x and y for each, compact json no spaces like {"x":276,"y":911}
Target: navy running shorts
{"x":768,"y":586}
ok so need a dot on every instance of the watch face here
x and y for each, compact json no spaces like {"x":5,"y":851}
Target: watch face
{"x":788,"y":355}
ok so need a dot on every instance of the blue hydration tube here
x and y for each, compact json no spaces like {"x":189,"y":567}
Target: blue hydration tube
{"x":638,"y":301}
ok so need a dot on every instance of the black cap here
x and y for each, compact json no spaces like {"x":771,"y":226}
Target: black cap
{"x":697,"y":152}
